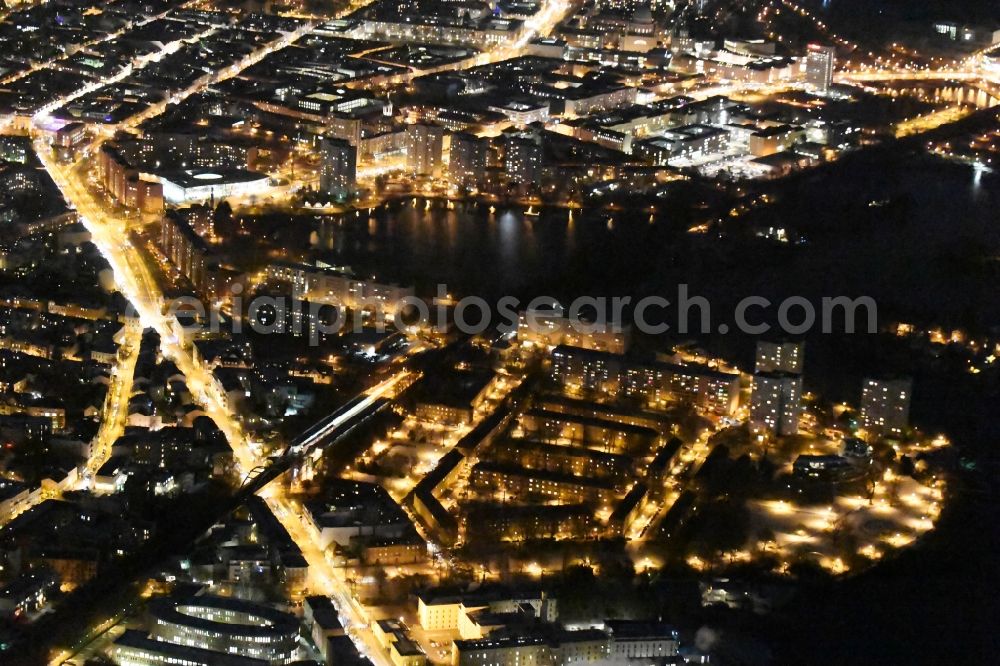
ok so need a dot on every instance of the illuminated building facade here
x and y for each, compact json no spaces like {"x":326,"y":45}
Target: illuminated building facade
{"x":774,"y":139}
{"x":522,"y":159}
{"x":612,"y":374}
{"x":542,"y":648}
{"x":513,"y":481}
{"x":493,"y":522}
{"x":820,"y":61}
{"x":226,"y":625}
{"x":641,"y":640}
{"x":885,"y":405}
{"x":329,"y":286}
{"x":776,"y":403}
{"x":338,"y":173}
{"x":423,"y":149}
{"x":467,"y":159}
{"x":589,"y":430}
{"x":689,"y":142}
{"x":124,"y":183}
{"x":448,"y":612}
{"x":134,"y":648}
{"x":573,"y":460}
{"x":779,"y":356}
{"x":549,"y":328}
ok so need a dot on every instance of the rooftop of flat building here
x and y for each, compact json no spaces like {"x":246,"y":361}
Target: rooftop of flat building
{"x":189,"y":178}
{"x":456,"y":388}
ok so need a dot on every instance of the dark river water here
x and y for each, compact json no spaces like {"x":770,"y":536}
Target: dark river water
{"x":927,"y":249}
{"x":475,"y":251}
